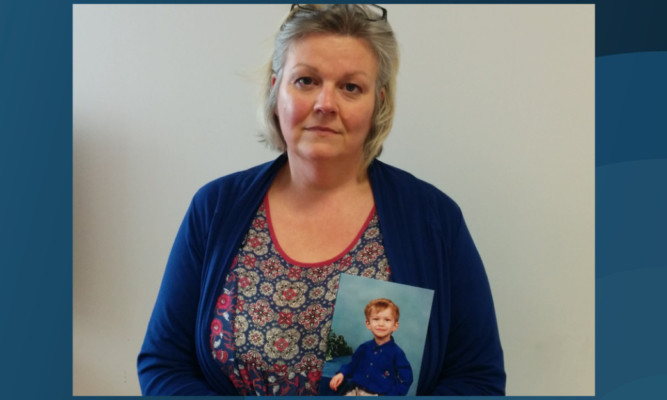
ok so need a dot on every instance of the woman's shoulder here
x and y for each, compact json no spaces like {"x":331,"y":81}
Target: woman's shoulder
{"x":240,"y":181}
{"x":396,"y":183}
{"x":228,"y":191}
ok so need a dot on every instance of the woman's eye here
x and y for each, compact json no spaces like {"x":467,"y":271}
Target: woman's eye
{"x":304,"y":81}
{"x":352,"y":88}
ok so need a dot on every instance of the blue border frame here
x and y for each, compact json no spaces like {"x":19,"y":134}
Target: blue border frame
{"x":36,"y":212}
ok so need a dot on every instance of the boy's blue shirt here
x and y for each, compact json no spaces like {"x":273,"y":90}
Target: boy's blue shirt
{"x":381,"y":369}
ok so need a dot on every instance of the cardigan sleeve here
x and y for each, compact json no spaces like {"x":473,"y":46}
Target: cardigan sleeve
{"x":167,"y":363}
{"x":473,"y":362}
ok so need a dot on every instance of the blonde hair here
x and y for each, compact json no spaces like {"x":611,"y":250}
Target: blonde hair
{"x":337,"y":19}
{"x":378,"y":305}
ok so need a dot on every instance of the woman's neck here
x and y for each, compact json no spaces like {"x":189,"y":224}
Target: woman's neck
{"x":306,"y":178}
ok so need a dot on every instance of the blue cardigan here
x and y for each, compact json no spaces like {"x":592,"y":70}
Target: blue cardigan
{"x":427,"y":244}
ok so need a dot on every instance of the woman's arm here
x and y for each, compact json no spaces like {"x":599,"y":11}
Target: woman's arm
{"x":167,"y":363}
{"x":473,"y":362}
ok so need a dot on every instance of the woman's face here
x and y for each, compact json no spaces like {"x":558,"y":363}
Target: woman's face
{"x":326,"y":97}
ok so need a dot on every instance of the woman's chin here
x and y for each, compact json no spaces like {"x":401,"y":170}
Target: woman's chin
{"x":319,"y":153}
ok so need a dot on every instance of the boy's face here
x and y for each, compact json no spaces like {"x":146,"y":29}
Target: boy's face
{"x":382,"y":323}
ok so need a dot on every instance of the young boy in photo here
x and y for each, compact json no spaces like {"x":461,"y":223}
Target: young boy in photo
{"x":379,"y":366}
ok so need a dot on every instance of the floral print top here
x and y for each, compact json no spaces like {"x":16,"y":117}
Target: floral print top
{"x":272,"y":319}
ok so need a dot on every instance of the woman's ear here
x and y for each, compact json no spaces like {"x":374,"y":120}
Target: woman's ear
{"x":273,"y":84}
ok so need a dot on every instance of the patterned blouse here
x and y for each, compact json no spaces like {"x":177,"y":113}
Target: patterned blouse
{"x":272,"y":319}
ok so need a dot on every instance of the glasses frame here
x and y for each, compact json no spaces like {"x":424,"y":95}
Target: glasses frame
{"x":383,"y":17}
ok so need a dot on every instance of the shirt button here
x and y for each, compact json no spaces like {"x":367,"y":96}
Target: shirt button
{"x":371,"y":364}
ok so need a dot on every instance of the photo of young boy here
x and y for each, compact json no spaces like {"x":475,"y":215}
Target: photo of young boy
{"x":379,"y":366}
{"x":390,"y":362}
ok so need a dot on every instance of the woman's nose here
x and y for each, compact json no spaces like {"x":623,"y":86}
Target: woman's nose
{"x":326,"y":100}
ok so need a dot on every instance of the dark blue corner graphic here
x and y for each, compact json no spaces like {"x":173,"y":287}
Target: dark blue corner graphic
{"x":627,"y":26}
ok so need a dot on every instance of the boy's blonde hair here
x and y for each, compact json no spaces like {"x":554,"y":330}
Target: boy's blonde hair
{"x":378,"y":305}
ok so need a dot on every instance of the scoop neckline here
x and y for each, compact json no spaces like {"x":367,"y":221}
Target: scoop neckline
{"x":329,"y":261}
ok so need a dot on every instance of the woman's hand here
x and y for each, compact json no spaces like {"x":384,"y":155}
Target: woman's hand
{"x":336,"y":381}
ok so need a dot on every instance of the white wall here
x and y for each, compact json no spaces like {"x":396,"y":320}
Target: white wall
{"x":495,"y":107}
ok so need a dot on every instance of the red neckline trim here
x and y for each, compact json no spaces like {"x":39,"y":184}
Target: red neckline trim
{"x":315,"y":264}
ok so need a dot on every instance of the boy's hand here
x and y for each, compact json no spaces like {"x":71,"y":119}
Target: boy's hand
{"x":336,"y":381}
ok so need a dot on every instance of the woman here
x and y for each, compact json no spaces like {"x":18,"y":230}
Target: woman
{"x":246,"y":301}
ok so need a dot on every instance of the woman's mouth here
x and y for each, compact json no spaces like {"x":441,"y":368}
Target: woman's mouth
{"x":321,"y":129}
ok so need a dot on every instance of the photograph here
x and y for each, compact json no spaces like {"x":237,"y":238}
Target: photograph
{"x":375,"y":347}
